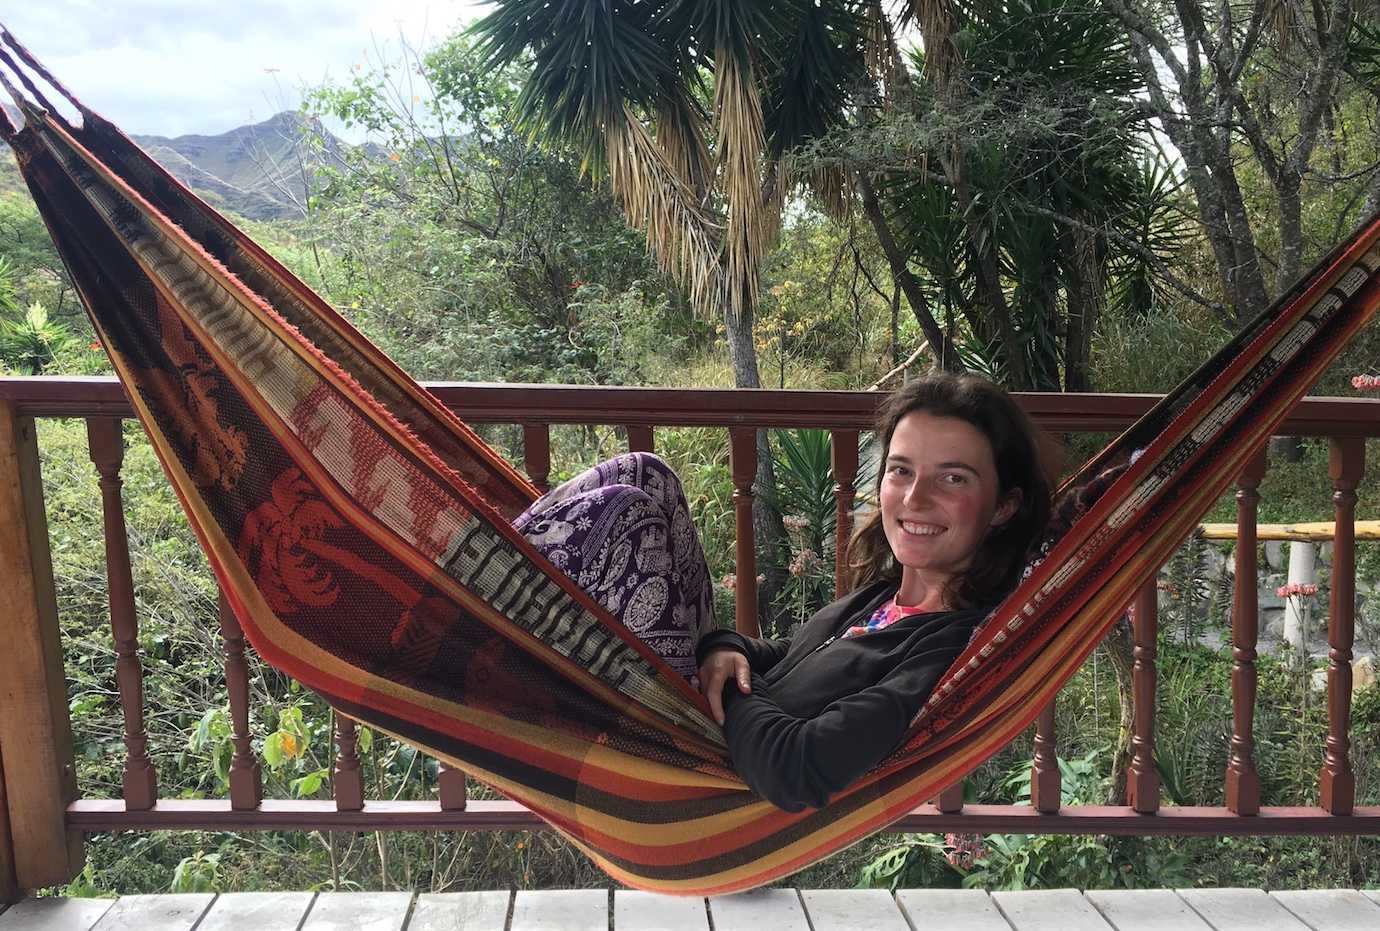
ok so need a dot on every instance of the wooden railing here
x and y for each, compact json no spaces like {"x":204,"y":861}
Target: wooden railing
{"x":43,"y":816}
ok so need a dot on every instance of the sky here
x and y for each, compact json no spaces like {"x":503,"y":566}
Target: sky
{"x":173,"y":67}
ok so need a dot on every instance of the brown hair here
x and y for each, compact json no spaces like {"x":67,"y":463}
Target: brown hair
{"x":997,"y":565}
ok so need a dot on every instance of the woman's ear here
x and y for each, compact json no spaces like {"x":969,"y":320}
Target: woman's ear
{"x":1008,"y":508}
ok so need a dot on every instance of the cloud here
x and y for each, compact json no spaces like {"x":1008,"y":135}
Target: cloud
{"x":171,"y":67}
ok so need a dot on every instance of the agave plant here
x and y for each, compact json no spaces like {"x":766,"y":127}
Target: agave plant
{"x":32,"y":342}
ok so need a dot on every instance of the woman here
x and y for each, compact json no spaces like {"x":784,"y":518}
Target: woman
{"x":962,"y":497}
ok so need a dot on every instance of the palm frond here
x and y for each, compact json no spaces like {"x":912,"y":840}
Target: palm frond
{"x":682,"y":236}
{"x":739,"y":129}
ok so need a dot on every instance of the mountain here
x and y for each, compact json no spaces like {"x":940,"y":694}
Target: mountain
{"x":258,"y":171}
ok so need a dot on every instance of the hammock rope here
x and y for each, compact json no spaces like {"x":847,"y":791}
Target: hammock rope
{"x":360,"y":531}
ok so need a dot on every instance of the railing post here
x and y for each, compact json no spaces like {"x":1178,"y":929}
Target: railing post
{"x":743,"y":454}
{"x":1337,"y":788}
{"x":1142,"y":779}
{"x":347,"y":782}
{"x":843,"y":446}
{"x":536,"y":454}
{"x":246,"y":779}
{"x":1045,"y":782}
{"x":107,"y":449}
{"x":1242,"y":780}
{"x":33,"y":689}
{"x":9,"y":886}
{"x":450,"y":788}
{"x":950,"y":801}
{"x":640,"y":439}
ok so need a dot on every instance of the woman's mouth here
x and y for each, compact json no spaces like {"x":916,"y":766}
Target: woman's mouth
{"x":921,"y":529}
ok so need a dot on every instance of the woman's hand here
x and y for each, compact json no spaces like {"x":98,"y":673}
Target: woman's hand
{"x":718,"y":667}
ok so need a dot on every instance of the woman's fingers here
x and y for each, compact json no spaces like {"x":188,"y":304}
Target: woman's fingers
{"x":716,"y":671}
{"x":742,"y":673}
{"x":716,"y":702}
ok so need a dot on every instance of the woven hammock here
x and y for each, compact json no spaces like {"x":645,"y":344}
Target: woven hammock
{"x":361,"y":532}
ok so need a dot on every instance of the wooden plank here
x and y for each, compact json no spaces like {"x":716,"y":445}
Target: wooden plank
{"x":650,"y":911}
{"x":1145,"y":910}
{"x":54,"y":914}
{"x":777,"y":909}
{"x":1339,"y":909}
{"x":450,"y":911}
{"x":33,"y":690}
{"x":561,"y":910}
{"x":852,"y":910}
{"x":155,"y":912}
{"x":1241,"y":910}
{"x":1049,"y":910}
{"x":969,"y":909}
{"x":261,"y":911}
{"x":358,"y":911}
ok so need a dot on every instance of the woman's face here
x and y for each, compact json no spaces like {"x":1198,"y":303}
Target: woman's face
{"x":939,"y":497}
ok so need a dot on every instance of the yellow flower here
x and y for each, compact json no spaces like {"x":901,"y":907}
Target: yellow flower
{"x":291,"y":748}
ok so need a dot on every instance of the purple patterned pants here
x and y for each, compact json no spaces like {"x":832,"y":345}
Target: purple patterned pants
{"x":622,"y":532}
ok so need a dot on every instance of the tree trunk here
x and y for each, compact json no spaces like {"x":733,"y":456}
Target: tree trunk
{"x":1084,"y":305}
{"x":768,"y":530}
{"x":1120,"y":650}
{"x":941,"y":347}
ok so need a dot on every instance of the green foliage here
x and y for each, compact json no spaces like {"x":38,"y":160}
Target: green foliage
{"x":915,"y":862}
{"x":198,"y":873}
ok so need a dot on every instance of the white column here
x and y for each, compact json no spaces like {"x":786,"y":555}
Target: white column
{"x":1296,"y":607}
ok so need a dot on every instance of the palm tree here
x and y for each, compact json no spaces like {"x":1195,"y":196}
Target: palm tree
{"x":685,"y":108}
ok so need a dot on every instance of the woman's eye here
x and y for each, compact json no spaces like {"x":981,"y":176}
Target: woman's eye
{"x":955,"y":478}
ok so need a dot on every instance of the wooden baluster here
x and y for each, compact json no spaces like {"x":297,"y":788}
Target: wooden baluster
{"x":1046,"y":785}
{"x":536,"y":454}
{"x":451,"y":788}
{"x":743,"y":454}
{"x":640,"y":439}
{"x":1337,"y":781}
{"x":950,"y":801}
{"x":246,"y":781}
{"x":844,"y":447}
{"x":347,"y":780}
{"x":1142,"y":779}
{"x":1242,"y":780}
{"x":107,"y":449}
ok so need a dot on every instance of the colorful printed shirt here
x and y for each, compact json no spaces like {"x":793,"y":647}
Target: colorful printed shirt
{"x":888,"y":613}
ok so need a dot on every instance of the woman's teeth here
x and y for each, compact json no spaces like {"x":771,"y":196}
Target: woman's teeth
{"x":921,"y":530}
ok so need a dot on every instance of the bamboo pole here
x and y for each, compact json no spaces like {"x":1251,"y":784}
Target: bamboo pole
{"x":1313,"y":531}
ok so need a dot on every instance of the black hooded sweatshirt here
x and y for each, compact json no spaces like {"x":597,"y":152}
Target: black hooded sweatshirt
{"x":825,"y":708}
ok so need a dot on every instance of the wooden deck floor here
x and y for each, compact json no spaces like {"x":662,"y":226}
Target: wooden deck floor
{"x":769,"y":910}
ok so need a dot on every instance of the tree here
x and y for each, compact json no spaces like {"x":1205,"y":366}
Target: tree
{"x":1263,"y":88}
{"x":1003,"y":168}
{"x":468,"y":248}
{"x":686,"y":108}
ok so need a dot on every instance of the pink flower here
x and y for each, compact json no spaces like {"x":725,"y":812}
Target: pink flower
{"x":795,"y":523}
{"x":729,"y":582}
{"x":963,"y":850}
{"x":1297,"y":589}
{"x":1365,"y":382}
{"x":805,"y":562}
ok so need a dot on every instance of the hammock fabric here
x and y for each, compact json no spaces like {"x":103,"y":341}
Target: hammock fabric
{"x":361,"y":532}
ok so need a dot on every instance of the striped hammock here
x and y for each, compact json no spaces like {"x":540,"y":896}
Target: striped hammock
{"x":361,"y":532}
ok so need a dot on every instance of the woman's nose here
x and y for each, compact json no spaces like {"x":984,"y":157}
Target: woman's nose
{"x":918,"y":492}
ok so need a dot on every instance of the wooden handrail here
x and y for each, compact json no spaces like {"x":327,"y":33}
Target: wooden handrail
{"x":42,"y":396}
